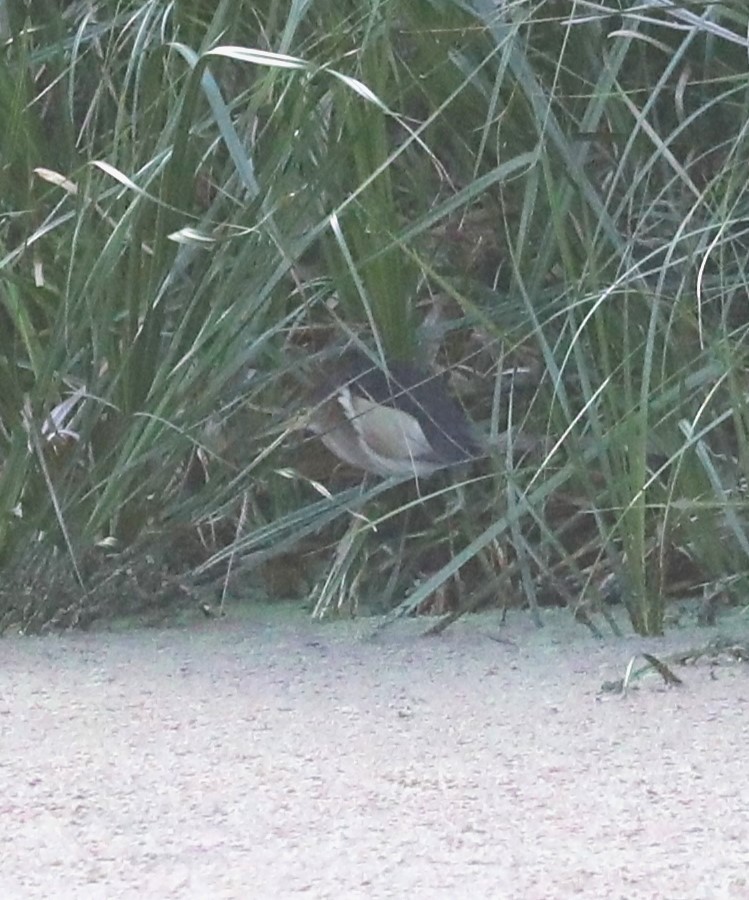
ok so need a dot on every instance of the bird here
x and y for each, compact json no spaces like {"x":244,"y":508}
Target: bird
{"x":391,"y":419}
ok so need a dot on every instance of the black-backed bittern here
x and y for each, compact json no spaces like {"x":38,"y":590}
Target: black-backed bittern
{"x":397,"y":419}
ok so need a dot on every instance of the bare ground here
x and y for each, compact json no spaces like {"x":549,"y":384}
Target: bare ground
{"x":271,"y":757}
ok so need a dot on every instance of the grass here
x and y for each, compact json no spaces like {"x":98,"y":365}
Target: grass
{"x":199,"y":200}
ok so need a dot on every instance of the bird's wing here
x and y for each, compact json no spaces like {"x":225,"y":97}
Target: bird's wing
{"x":393,"y":437}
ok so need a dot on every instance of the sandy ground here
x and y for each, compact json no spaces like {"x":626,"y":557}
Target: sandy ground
{"x":272,"y":757}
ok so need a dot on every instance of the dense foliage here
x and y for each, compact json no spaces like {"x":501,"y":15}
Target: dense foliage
{"x":201,"y":200}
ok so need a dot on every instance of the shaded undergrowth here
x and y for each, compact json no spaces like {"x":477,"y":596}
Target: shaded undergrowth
{"x":202,"y":201}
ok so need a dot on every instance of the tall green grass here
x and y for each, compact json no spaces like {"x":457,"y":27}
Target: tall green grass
{"x":198,"y":199}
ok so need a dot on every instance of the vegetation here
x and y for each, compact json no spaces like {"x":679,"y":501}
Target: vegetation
{"x":199,"y":199}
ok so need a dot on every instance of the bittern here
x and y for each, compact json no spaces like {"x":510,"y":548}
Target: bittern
{"x":391,"y":420}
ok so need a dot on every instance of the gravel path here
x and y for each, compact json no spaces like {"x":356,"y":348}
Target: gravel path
{"x":271,"y":757}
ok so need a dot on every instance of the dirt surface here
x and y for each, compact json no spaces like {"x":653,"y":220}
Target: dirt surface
{"x":272,"y":757}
